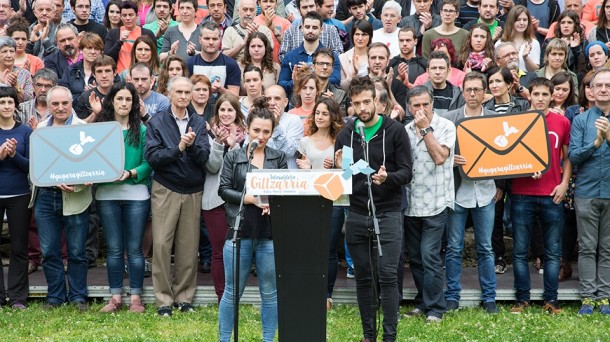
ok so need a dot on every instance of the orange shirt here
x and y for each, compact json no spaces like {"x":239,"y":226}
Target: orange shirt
{"x":124,"y":61}
{"x":202,"y":11}
{"x":35,"y":64}
{"x":279,"y":24}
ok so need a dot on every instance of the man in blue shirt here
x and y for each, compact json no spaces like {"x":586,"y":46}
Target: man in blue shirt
{"x":301,"y":57}
{"x":589,"y":151}
{"x":142,"y":78}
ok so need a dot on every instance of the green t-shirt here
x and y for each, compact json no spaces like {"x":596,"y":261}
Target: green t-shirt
{"x":369,"y":132}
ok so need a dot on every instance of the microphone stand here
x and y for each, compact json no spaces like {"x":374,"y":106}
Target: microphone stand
{"x":374,"y":271}
{"x":236,"y":255}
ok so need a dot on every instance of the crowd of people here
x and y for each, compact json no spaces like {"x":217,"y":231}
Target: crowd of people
{"x":194,"y":83}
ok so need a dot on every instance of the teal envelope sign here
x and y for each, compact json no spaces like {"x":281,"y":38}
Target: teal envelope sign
{"x":77,"y":154}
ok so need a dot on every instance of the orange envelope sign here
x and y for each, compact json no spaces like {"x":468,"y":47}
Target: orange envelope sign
{"x":503,"y":146}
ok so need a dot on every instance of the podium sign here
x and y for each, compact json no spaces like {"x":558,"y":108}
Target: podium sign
{"x":77,"y":154}
{"x":301,"y":213}
{"x":503,"y":146}
{"x":326,"y":183}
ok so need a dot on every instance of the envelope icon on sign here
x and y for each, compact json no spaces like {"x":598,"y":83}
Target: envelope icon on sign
{"x":76,"y":154}
{"x":503,"y":146}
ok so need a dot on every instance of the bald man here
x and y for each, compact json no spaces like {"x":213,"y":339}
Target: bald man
{"x":289,"y":130}
{"x":234,"y":38}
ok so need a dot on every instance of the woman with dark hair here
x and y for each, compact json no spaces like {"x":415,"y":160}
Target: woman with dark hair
{"x":119,"y":41}
{"x":112,"y":17}
{"x":253,"y":82}
{"x":172,"y":66}
{"x":305,"y":93}
{"x":564,"y":94}
{"x":586,"y":101}
{"x":200,"y":101}
{"x":318,"y":152}
{"x":456,"y":76}
{"x":518,"y":28}
{"x":477,"y":53}
{"x":568,"y":29}
{"x":19,"y":30}
{"x":258,"y":52}
{"x":14,"y":197}
{"x":354,"y":62}
{"x":500,"y":82}
{"x":597,"y":55}
{"x":124,"y":205}
{"x":227,"y":133}
{"x":144,"y":51}
{"x":79,"y":75}
{"x":255,"y":233}
{"x":601,"y":31}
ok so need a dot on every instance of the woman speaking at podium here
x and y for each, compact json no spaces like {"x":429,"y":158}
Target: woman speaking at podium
{"x":255,"y":228}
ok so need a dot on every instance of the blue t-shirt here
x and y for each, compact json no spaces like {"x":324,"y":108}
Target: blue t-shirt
{"x":156,"y":103}
{"x":223,"y":67}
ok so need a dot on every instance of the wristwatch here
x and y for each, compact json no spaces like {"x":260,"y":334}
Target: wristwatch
{"x":425,"y":131}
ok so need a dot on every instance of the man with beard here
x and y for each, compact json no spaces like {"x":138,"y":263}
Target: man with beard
{"x":67,"y":52}
{"x":82,"y":11}
{"x":33,"y":111}
{"x":42,"y":32}
{"x":323,"y":61}
{"x":408,"y":65}
{"x":507,"y":56}
{"x":389,"y":153}
{"x":432,"y":140}
{"x":141,"y":76}
{"x":302,"y":56}
{"x":235,"y":36}
{"x":488,"y":10}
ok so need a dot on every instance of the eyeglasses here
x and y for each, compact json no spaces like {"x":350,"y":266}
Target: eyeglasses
{"x":448,"y":11}
{"x":323,"y":64}
{"x":473,"y":90}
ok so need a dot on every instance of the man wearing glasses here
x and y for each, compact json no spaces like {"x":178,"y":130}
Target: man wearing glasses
{"x":450,"y":10}
{"x":323,"y":61}
{"x":477,"y":198}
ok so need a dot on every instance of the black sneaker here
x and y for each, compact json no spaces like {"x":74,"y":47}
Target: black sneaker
{"x":205,"y":267}
{"x":185,"y":307}
{"x":147,"y":269}
{"x":164,"y":311}
{"x":500,"y":267}
{"x":51,"y":306}
{"x":490,"y":308}
{"x":452,"y":305}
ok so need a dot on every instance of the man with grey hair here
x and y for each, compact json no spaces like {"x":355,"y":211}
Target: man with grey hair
{"x":35,"y":110}
{"x":66,"y":52}
{"x":234,"y":38}
{"x":41,"y":42}
{"x":388,"y":34}
{"x":63,"y":208}
{"x":432,"y":141}
{"x":507,"y":56}
{"x":177,"y":149}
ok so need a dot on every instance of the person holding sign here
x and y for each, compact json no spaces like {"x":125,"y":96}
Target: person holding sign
{"x":255,"y":231}
{"x":590,"y":152}
{"x":539,"y":198}
{"x":477,"y":198}
{"x":14,"y":196}
{"x":59,"y":208}
{"x":388,"y":153}
{"x":124,"y":205}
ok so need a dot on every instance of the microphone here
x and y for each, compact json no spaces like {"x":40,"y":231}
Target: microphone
{"x":360,"y":128}
{"x":253,"y":145}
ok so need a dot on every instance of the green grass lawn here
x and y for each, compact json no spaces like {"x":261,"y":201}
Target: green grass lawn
{"x":67,"y":324}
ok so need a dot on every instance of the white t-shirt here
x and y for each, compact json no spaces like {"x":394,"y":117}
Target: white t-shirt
{"x":389,"y":39}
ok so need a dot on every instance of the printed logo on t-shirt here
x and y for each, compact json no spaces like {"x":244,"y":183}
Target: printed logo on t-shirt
{"x":218,"y":72}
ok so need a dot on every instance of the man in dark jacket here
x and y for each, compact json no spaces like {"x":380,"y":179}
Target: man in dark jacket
{"x":177,"y":149}
{"x":66,"y":52}
{"x":422,"y":20}
{"x":388,"y":153}
{"x":82,"y":11}
{"x":446,"y":95}
{"x":408,"y":63}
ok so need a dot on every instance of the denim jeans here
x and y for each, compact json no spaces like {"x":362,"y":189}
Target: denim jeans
{"x":264,"y":258}
{"x":51,"y":222}
{"x":424,"y":237}
{"x":338,"y":218}
{"x":524,"y":212}
{"x":483,"y":220}
{"x":359,"y":233}
{"x":124,"y":223}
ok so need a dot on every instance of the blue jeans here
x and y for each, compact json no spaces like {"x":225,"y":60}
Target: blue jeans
{"x":262,"y":253}
{"x":483,"y":220}
{"x":123,"y":223}
{"x":51,"y":221}
{"x":524,"y":211}
{"x":338,"y":218}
